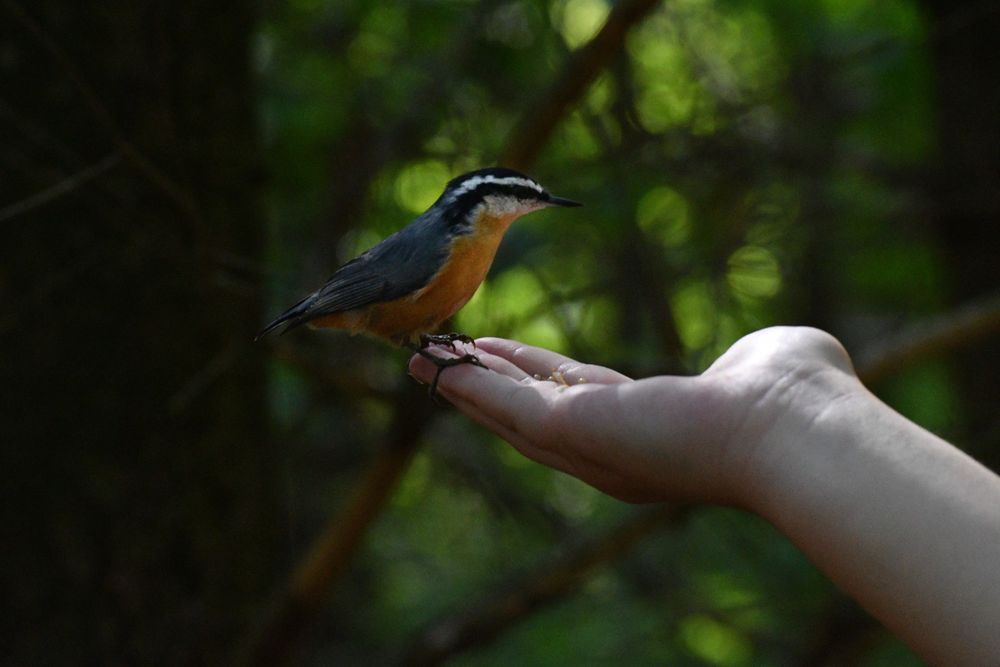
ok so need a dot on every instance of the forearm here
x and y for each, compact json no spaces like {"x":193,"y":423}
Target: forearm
{"x":902,"y":521}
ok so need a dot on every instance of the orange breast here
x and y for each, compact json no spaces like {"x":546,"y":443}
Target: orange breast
{"x":451,"y":288}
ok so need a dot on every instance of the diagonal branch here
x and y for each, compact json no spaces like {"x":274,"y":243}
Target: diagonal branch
{"x":153,"y":174}
{"x":549,"y":582}
{"x":958,"y":328}
{"x":275,"y":641}
{"x":64,"y":186}
{"x":538,"y":122}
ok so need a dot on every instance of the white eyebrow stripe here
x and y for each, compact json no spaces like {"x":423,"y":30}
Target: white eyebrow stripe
{"x":474,"y":182}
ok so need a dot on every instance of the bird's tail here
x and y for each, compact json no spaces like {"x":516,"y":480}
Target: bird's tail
{"x":290,"y":319}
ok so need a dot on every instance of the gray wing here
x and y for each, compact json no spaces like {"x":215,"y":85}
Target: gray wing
{"x":399,"y":265}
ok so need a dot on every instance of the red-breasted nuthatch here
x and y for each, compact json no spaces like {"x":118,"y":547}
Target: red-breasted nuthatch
{"x":403,"y":288}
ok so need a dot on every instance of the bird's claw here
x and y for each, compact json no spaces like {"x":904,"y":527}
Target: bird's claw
{"x":443,"y":363}
{"x":446,"y":339}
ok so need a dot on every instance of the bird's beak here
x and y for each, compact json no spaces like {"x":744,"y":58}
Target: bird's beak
{"x":559,"y":201}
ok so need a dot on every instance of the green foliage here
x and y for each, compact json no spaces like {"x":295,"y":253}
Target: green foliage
{"x":742,"y":163}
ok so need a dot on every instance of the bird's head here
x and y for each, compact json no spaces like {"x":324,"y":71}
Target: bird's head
{"x":496,"y":192}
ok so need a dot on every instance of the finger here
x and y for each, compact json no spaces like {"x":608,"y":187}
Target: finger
{"x":501,"y":365}
{"x":492,"y":362}
{"x":537,"y":361}
{"x":513,"y":406}
{"x":517,"y":405}
{"x":519,"y":441}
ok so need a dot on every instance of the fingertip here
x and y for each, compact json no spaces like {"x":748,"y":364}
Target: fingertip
{"x":420,"y":369}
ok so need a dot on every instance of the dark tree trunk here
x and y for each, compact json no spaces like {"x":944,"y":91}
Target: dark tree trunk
{"x":967,"y":187}
{"x":140,"y":519}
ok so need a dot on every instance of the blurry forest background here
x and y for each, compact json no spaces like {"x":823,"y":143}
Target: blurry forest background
{"x":173,"y":174}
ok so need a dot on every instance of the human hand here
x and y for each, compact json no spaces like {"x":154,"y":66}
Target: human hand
{"x":707,"y":438}
{"x":901,"y":520}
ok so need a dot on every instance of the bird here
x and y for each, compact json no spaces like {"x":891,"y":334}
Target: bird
{"x":404,"y":287}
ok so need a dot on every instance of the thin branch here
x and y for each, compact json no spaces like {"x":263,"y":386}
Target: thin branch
{"x":551,"y":582}
{"x":583,"y":67}
{"x":893,"y":354}
{"x":133,"y":155}
{"x":205,"y":377}
{"x":63,"y":187}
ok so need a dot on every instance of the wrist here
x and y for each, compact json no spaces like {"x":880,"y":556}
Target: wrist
{"x":804,"y":424}
{"x":900,"y":520}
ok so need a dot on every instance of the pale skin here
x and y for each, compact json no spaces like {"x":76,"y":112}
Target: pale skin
{"x":899,"y":519}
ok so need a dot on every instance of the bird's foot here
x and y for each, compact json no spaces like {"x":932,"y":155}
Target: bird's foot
{"x":446,"y":362}
{"x":445,"y":339}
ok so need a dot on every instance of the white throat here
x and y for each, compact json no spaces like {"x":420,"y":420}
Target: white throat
{"x":504,"y":205}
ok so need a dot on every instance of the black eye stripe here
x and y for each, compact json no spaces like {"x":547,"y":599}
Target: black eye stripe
{"x":457,"y":211}
{"x":486,"y":189}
